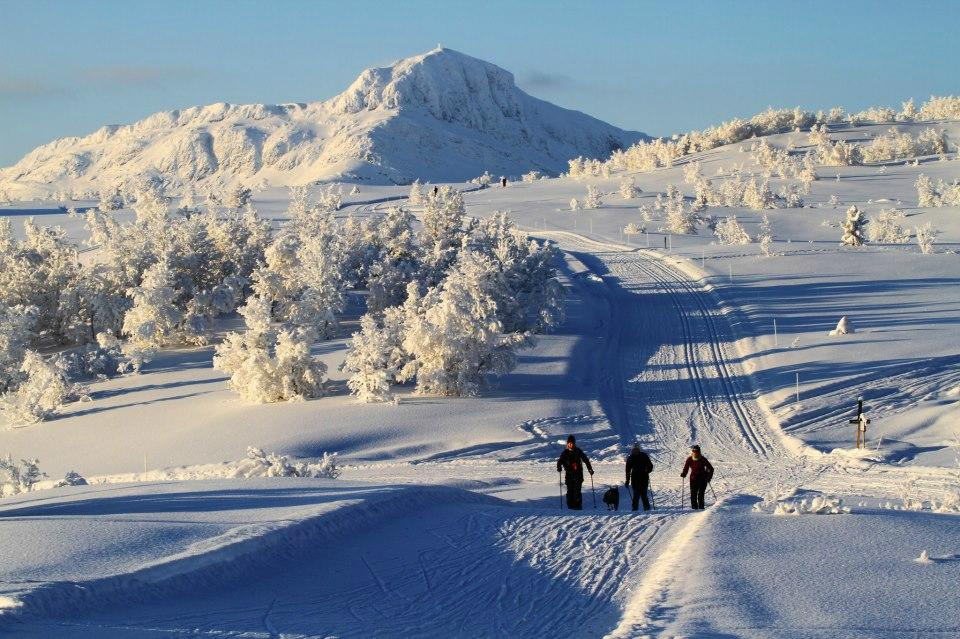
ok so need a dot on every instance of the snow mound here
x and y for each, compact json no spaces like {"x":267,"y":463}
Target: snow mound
{"x":819,"y":505}
{"x":844,"y":326}
{"x":924,"y":558}
{"x":439,"y":116}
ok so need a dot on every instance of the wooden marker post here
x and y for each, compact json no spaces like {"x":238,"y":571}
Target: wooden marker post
{"x":861,"y":422}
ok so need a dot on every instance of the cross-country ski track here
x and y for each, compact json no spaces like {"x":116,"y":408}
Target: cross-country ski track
{"x":445,"y":565}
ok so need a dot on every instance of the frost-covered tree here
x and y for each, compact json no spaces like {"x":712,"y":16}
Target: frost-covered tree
{"x":593,"y":199}
{"x":853,"y":227}
{"x":533,"y":298}
{"x":398,"y":263}
{"x":42,"y":391}
{"x":575,"y":204}
{"x":765,"y":235}
{"x":443,"y":217}
{"x":453,"y":333}
{"x":155,"y":320}
{"x":628,"y":189}
{"x":237,"y":197}
{"x":678,"y":218}
{"x":926,"y":237}
{"x":530,"y":177}
{"x":36,"y":270}
{"x":19,"y":477}
{"x":303,"y":277}
{"x":886,"y":227}
{"x":757,"y":195}
{"x":269,"y":364}
{"x":376,"y":356}
{"x":416,"y":194}
{"x":840,"y":153}
{"x":941,"y":194}
{"x":16,"y":323}
{"x":729,"y":231}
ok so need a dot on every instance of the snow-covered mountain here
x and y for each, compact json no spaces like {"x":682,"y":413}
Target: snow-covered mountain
{"x":438,"y":116}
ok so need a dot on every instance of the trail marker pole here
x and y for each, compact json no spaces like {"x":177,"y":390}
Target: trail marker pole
{"x":776,"y":339}
{"x":730,"y":271}
{"x":861,"y":422}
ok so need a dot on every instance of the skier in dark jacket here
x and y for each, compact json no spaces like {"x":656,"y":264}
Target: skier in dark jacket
{"x":572,"y":460}
{"x":701,"y":472}
{"x":639,"y":468}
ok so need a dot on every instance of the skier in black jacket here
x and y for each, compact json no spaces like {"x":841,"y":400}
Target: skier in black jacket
{"x":572,"y":460}
{"x":639,"y":468}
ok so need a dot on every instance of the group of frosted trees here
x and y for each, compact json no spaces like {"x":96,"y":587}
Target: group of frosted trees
{"x":452,"y":303}
{"x":158,"y":280}
{"x":446,"y":304}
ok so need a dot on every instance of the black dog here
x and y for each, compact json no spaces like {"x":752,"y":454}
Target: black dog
{"x":611,"y":497}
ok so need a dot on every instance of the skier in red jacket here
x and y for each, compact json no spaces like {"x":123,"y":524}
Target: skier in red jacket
{"x":701,"y":472}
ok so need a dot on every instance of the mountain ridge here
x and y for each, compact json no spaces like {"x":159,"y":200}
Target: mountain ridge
{"x":441,"y":116}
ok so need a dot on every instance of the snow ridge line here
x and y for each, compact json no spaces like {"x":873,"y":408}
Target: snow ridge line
{"x":638,"y":614}
{"x":240,"y":551}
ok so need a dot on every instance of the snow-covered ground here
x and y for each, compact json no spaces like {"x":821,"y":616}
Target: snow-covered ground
{"x":661,"y":346}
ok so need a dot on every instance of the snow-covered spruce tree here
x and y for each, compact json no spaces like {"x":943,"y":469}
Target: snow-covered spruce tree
{"x":19,"y":477}
{"x":376,"y":355}
{"x":398,"y":263}
{"x":765,"y":235}
{"x":853,"y":227}
{"x":926,"y":236}
{"x":42,"y":391}
{"x":16,"y":323}
{"x":729,"y":231}
{"x":453,"y":334}
{"x":530,"y":177}
{"x":885,"y":227}
{"x":533,"y":297}
{"x":267,"y":364}
{"x":575,"y":204}
{"x":628,"y":189}
{"x":593,"y":199}
{"x":678,"y":218}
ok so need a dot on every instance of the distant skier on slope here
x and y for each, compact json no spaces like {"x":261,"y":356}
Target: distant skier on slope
{"x":503,"y":182}
{"x":701,"y":472}
{"x":639,"y":468}
{"x":572,"y":460}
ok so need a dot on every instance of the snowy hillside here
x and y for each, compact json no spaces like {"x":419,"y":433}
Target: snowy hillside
{"x":440,"y":116}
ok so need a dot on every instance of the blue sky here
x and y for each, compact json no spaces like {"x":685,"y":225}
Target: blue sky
{"x":68,"y":67}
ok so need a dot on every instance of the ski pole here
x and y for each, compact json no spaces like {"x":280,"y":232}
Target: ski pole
{"x":714,"y":492}
{"x":653,"y":504}
{"x":593,"y":492}
{"x":682,"y":487}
